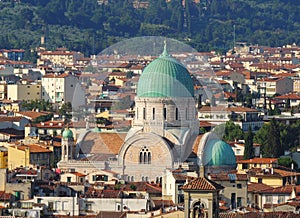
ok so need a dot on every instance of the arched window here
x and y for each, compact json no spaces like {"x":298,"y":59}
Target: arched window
{"x":149,"y":157}
{"x":145,"y":156}
{"x":141,"y":158}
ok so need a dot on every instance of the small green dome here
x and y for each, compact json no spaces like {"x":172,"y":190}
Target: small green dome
{"x":218,"y":153}
{"x":67,"y":133}
{"x":165,"y":77}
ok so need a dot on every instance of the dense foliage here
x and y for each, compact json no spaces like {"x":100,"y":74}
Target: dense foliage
{"x":87,"y":26}
{"x":276,"y":138}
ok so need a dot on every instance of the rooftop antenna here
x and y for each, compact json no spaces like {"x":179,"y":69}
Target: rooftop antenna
{"x":233,"y":37}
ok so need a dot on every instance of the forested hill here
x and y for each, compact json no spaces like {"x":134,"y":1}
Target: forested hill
{"x":88,"y":26}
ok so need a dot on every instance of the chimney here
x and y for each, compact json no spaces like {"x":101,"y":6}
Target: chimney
{"x":201,"y":171}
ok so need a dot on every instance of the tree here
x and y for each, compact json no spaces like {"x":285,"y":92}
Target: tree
{"x":287,"y":162}
{"x":249,"y":149}
{"x":273,"y":147}
{"x":229,"y":131}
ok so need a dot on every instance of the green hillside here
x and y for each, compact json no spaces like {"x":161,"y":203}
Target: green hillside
{"x":87,"y":26}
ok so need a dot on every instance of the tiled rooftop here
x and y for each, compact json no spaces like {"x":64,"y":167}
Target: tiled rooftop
{"x":202,"y":184}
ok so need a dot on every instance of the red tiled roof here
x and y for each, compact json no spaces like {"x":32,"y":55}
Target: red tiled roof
{"x":257,"y":187}
{"x":287,"y":189}
{"x":53,"y":75}
{"x":225,"y":177}
{"x":10,"y":118}
{"x":259,"y":160}
{"x":291,"y":96}
{"x":202,"y":183}
{"x":32,"y":114}
{"x":5,"y":196}
{"x":34,"y":148}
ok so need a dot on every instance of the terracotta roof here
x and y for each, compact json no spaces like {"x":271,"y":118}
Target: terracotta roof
{"x":53,"y":75}
{"x":287,"y":189}
{"x":285,"y":173}
{"x":257,"y":187}
{"x":111,"y":214}
{"x":259,"y":160}
{"x":226,"y":177}
{"x":202,"y":183}
{"x":32,"y":114}
{"x":34,"y":148}
{"x":78,"y":174}
{"x":51,"y":124}
{"x":5,"y":196}
{"x":10,"y":119}
{"x":102,"y":143}
{"x":291,"y":96}
{"x":242,"y":109}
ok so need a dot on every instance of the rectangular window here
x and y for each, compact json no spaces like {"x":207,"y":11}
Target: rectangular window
{"x":239,"y":185}
{"x":68,"y":179}
{"x":281,"y":199}
{"x":144,"y":113}
{"x":176,"y":114}
{"x":269,"y":198}
{"x":186,"y":113}
{"x":165,"y":113}
{"x":153,"y":113}
{"x":238,"y":201}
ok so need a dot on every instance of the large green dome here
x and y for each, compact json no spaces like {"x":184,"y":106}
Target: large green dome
{"x":67,"y":133}
{"x":165,"y":77}
{"x":218,"y":153}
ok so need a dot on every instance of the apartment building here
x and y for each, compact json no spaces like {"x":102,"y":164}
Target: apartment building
{"x":60,"y":57}
{"x":61,"y":88}
{"x":24,"y":91}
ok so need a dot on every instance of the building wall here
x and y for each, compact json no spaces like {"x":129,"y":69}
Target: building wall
{"x":24,"y":92}
{"x":168,"y":186}
{"x":3,"y":159}
{"x":284,"y":86}
{"x":232,"y":187}
{"x":113,"y":204}
{"x":275,"y":198}
{"x":62,"y":90}
{"x":17,"y":158}
{"x":21,"y":191}
{"x":61,"y":205}
{"x":271,"y":181}
{"x":73,"y":178}
{"x":3,"y":178}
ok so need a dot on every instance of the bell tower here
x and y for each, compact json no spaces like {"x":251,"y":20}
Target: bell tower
{"x":67,"y":145}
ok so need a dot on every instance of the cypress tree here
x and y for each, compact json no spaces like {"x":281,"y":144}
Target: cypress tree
{"x":273,"y":147}
{"x":249,"y":149}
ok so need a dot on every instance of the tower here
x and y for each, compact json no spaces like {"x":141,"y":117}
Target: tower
{"x":67,"y":145}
